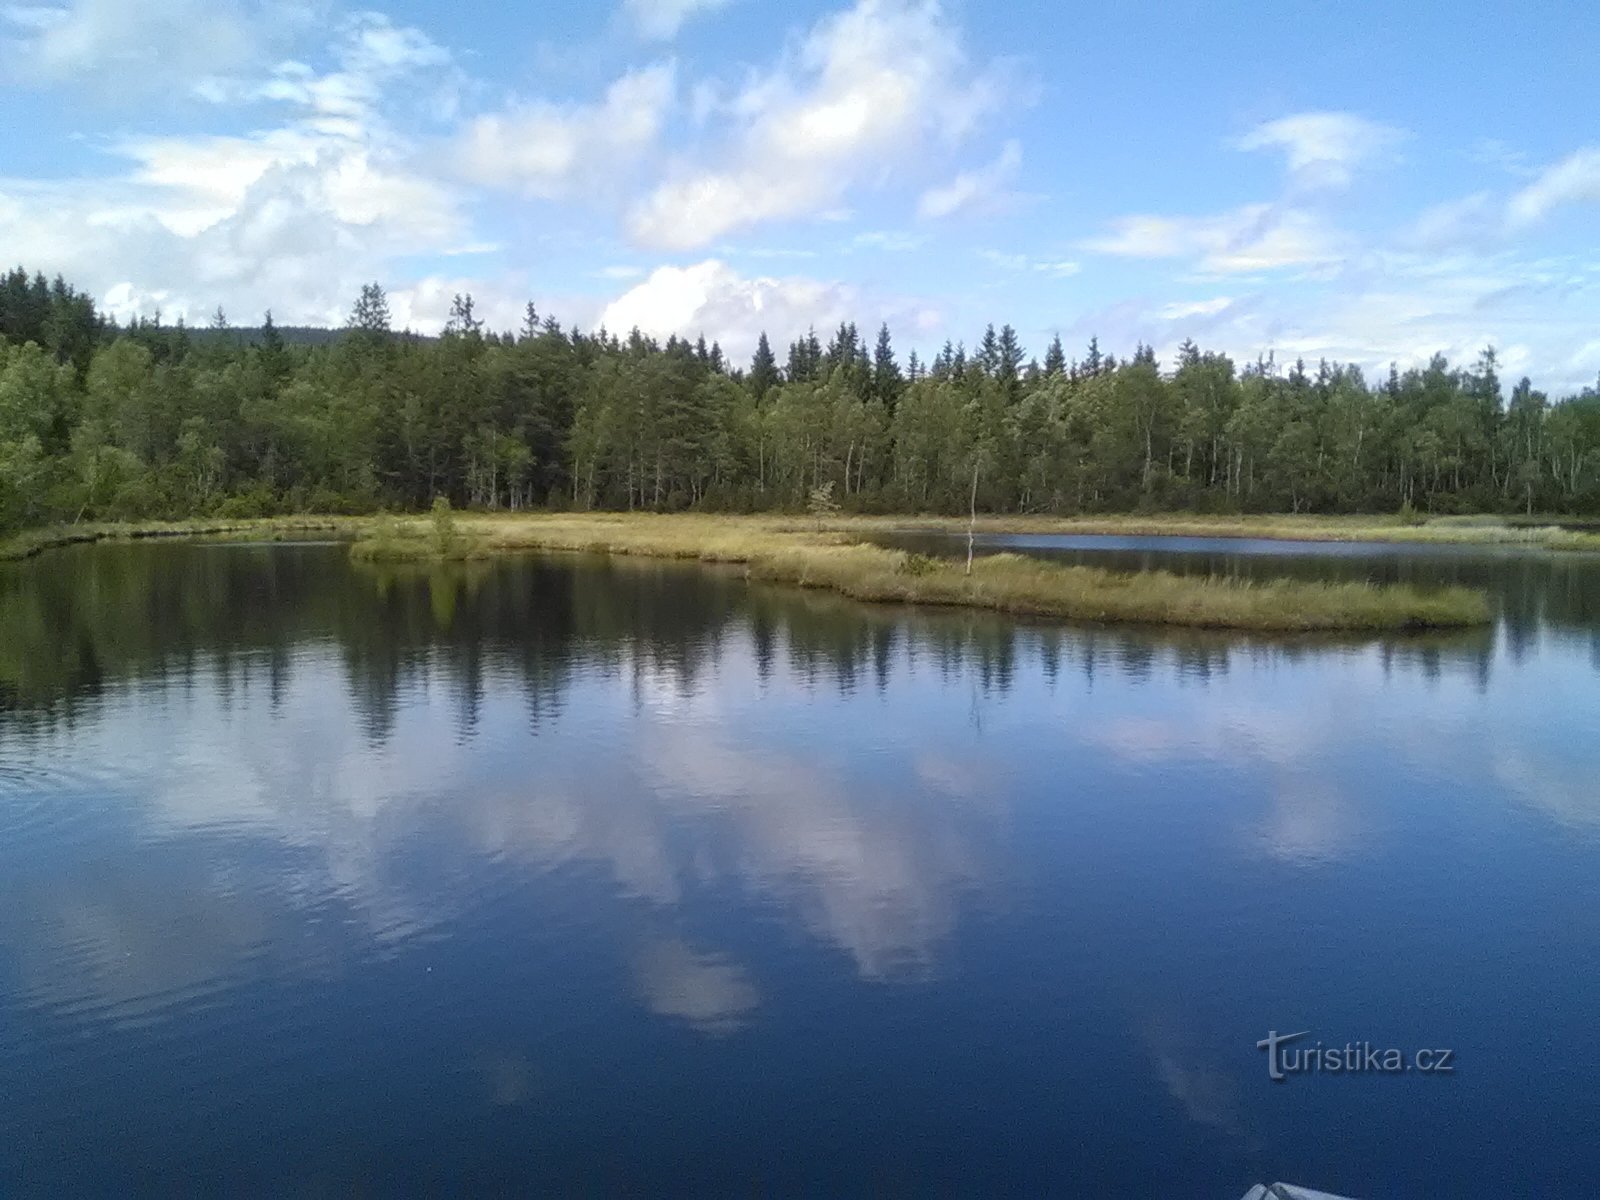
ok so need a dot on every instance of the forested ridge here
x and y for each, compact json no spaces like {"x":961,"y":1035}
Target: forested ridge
{"x":147,"y":420}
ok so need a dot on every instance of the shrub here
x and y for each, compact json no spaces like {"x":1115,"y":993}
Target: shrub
{"x":918,"y":565}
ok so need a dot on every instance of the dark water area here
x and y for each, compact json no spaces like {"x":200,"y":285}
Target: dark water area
{"x":559,"y":875}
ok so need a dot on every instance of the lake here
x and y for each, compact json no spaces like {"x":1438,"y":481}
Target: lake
{"x":563,"y":875}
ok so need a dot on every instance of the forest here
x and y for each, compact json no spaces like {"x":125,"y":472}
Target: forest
{"x":101,"y":421}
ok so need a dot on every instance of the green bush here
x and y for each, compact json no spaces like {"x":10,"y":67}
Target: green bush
{"x":919,"y":564}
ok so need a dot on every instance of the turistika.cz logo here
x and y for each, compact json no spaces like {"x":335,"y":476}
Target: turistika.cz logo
{"x":1287,"y":1055}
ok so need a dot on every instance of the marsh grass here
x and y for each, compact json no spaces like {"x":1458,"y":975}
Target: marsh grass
{"x":839,"y":561}
{"x":37,"y":541}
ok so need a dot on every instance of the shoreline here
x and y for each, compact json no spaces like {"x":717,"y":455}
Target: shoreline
{"x":33,"y":542}
{"x":1443,"y":531}
{"x":794,"y":550}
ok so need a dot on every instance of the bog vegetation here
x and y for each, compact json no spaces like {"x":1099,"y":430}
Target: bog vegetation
{"x":101,"y":422}
{"x":793,"y":551}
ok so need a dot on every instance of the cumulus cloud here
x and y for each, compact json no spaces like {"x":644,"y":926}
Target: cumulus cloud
{"x":661,"y":19}
{"x":713,"y":299}
{"x":976,"y":190}
{"x":549,"y":150}
{"x":293,"y":216}
{"x":1323,"y":149}
{"x":865,"y":90}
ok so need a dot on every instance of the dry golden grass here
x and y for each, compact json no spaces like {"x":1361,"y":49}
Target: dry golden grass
{"x":792,"y":550}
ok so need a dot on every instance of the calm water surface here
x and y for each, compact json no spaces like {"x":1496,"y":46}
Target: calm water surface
{"x":564,"y":876}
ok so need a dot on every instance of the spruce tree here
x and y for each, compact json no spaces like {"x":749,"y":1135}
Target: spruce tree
{"x":764,"y":374}
{"x":1055,"y":358}
{"x":887,"y":383}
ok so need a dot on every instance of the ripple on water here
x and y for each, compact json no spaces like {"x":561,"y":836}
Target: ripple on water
{"x":43,"y":800}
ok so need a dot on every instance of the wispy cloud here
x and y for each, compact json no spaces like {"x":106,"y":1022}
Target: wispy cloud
{"x":1573,"y":180}
{"x":978,"y":190}
{"x":125,"y":49}
{"x":661,"y":19}
{"x":1254,"y":237}
{"x":1323,"y":149}
{"x":1058,"y":268}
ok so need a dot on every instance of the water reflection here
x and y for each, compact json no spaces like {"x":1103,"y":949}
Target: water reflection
{"x":587,"y":837}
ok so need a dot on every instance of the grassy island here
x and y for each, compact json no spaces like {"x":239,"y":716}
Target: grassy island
{"x":794,"y":551}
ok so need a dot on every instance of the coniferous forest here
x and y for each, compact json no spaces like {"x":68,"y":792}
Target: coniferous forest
{"x":106,"y":422}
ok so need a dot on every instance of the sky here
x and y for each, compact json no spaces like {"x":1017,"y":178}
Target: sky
{"x":1365,"y":182}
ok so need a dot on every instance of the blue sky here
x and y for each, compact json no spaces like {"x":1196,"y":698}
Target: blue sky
{"x":1361,"y":181}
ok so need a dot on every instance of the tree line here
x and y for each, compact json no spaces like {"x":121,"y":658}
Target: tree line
{"x":101,"y":421}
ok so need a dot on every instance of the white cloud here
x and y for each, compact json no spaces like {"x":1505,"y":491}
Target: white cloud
{"x":891,"y":241}
{"x":1058,"y":268}
{"x":293,"y":217}
{"x":976,"y":190}
{"x":129,"y":46}
{"x":1253,"y":237}
{"x":1323,"y":149}
{"x":713,"y":299}
{"x":1573,"y":180}
{"x":661,"y":19}
{"x":866,"y":90}
{"x":1455,"y":222}
{"x":1199,"y":308}
{"x":549,"y":150}
{"x":1392,"y":308}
